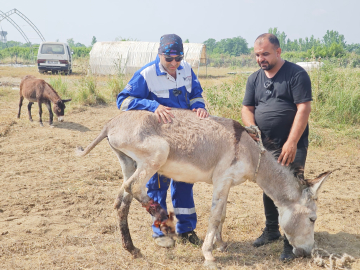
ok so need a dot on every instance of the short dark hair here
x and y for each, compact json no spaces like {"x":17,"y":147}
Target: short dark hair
{"x":271,"y":38}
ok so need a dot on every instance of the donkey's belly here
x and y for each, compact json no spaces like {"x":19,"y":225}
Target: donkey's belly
{"x":32,"y":99}
{"x":185,"y":172}
{"x":31,"y":96}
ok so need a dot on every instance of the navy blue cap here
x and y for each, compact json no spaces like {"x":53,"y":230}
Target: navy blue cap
{"x":171,"y":44}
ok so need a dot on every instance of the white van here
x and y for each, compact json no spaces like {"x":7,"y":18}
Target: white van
{"x":55,"y":57}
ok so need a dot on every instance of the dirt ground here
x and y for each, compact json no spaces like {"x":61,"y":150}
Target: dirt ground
{"x":56,"y":210}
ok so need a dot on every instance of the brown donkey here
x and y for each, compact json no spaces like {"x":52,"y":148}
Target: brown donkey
{"x":37,"y":90}
{"x":214,"y":150}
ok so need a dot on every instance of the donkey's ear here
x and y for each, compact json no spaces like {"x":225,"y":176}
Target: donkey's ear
{"x":315,"y":184}
{"x":66,"y":100}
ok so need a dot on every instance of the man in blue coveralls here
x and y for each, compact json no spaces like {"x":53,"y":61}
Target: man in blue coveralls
{"x":168,"y":82}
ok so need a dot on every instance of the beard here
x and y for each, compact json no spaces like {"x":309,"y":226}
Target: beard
{"x":266,"y":65}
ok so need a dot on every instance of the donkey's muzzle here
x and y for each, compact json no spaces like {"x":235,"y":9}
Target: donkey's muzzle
{"x":61,"y":118}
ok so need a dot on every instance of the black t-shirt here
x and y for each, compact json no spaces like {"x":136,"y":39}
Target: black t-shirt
{"x":275,"y":107}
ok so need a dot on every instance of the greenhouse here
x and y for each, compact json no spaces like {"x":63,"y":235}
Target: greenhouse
{"x":109,"y":58}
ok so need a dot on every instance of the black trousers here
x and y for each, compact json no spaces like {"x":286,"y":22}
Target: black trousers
{"x":271,"y":212}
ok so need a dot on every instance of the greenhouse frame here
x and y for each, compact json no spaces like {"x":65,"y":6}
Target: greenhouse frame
{"x":110,"y":58}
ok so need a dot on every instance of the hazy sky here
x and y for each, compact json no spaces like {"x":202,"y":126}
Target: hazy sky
{"x":196,"y":20}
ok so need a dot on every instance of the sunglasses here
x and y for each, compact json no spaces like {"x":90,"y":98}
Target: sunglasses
{"x":170,"y":59}
{"x":269,"y":85}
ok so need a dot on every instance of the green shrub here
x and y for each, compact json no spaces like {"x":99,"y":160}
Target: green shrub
{"x":60,"y":85}
{"x":116,"y":84}
{"x":225,"y":100}
{"x":83,"y":92}
{"x":336,"y":95}
{"x":87,"y":92}
{"x":81,"y":52}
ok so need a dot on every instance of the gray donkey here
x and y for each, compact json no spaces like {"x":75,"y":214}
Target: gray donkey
{"x":214,"y":150}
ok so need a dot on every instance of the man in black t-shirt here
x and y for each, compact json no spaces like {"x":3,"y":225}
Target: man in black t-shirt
{"x":278,"y":101}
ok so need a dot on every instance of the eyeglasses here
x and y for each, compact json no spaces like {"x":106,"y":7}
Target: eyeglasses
{"x":170,"y":59}
{"x":269,"y":85}
{"x":177,"y":92}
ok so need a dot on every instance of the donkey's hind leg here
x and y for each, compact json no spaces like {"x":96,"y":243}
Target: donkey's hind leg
{"x":152,"y":156}
{"x":29,"y":110}
{"x":123,"y":202}
{"x":128,"y":166}
{"x":135,"y":185}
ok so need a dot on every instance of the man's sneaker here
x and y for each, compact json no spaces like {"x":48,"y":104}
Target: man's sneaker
{"x":165,"y":241}
{"x":287,"y":254}
{"x":190,"y":237}
{"x":268,"y":236}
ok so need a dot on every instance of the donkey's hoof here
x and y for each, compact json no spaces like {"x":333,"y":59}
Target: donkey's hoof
{"x":165,"y":241}
{"x":117,"y":202}
{"x":52,"y":126}
{"x":136,"y":253}
{"x":211,"y":265}
{"x":41,"y":124}
{"x":222,"y":247}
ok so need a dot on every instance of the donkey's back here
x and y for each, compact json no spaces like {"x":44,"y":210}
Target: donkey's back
{"x":188,"y":149}
{"x":31,"y":88}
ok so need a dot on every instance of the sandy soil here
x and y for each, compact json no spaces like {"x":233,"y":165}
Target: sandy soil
{"x":56,"y":209}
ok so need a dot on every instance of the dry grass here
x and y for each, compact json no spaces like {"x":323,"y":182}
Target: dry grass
{"x":56,"y":210}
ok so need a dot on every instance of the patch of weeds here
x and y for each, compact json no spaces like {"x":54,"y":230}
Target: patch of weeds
{"x":87,"y":92}
{"x":116,"y":84}
{"x":60,"y":85}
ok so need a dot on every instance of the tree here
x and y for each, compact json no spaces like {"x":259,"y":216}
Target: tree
{"x":210,"y":45}
{"x":239,"y":46}
{"x":232,"y":46}
{"x":274,"y":31}
{"x":281,"y":37}
{"x":78,"y":44}
{"x":336,"y":50}
{"x":334,"y":37}
{"x":93,"y":41}
{"x":70,"y":42}
{"x":355,"y":47}
{"x":187,"y":41}
{"x":119,"y":38}
{"x":282,"y":40}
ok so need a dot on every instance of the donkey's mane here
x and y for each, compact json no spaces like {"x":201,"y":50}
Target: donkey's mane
{"x":52,"y":89}
{"x":272,"y":147}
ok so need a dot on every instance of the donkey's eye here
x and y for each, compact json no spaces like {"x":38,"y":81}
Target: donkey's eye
{"x":313,"y":219}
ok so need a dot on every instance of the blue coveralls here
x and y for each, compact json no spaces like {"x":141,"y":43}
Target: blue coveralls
{"x":149,"y":87}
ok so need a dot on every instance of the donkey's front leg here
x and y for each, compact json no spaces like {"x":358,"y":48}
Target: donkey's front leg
{"x":40,"y":113}
{"x":220,"y":194}
{"x":51,"y":115}
{"x":20,"y":104}
{"x":221,"y":245}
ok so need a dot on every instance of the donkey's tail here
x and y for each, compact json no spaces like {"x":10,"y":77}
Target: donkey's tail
{"x":80,"y":152}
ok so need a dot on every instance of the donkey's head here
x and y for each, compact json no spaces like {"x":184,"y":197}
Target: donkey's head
{"x":297,"y":218}
{"x":59,"y":109}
